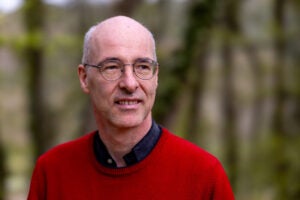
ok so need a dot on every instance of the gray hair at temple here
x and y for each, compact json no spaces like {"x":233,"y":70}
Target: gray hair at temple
{"x":87,"y":50}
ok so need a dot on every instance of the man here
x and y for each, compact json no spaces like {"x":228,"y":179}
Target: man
{"x":129,"y":156}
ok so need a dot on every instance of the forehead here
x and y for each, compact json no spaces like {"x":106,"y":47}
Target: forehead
{"x":122,"y":37}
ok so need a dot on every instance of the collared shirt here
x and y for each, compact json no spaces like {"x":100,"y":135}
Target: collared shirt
{"x":138,"y":152}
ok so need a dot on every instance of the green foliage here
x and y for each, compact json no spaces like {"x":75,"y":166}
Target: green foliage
{"x":21,"y":44}
{"x":35,"y":40}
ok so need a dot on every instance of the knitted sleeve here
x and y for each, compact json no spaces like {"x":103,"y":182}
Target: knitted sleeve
{"x":37,"y":190}
{"x":222,"y":189}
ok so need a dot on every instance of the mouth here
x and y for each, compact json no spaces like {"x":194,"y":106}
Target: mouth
{"x":127,"y":102}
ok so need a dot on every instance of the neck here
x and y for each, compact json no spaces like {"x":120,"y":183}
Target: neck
{"x":120,"y":141}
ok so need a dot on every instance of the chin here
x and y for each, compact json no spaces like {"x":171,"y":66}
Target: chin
{"x":129,"y":122}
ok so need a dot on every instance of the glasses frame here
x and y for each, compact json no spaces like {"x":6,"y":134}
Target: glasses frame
{"x":154,"y":65}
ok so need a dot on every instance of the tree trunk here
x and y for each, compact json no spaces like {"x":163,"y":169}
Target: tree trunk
{"x":277,"y":126}
{"x":34,"y":52}
{"x":229,"y":112}
{"x":295,"y":73}
{"x":257,"y":108}
{"x":197,"y":67}
{"x":229,"y":115}
{"x":192,"y":65}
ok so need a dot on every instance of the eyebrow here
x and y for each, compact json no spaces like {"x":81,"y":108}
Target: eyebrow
{"x":109,"y":58}
{"x":118,"y":59}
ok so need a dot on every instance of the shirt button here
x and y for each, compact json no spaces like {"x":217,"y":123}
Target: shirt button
{"x":109,"y":161}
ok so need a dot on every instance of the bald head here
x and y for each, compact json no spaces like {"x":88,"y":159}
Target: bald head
{"x":119,"y":30}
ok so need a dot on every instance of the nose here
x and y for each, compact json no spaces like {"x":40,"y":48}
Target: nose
{"x":128,"y":80}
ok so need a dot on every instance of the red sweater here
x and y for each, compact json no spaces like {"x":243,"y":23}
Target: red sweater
{"x":175,"y":169}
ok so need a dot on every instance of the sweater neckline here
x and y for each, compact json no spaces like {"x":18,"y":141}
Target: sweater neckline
{"x":129,"y":169}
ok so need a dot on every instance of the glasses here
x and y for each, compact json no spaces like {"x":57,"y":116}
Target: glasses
{"x":112,"y":69}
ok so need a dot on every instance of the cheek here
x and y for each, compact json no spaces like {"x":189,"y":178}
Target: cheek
{"x":152,"y":90}
{"x":99,"y":91}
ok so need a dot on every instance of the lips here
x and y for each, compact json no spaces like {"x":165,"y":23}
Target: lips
{"x":127,"y":102}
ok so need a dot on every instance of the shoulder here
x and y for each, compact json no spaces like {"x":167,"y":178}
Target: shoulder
{"x":74,"y":148}
{"x":189,"y":152}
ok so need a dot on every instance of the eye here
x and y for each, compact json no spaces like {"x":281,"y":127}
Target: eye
{"x":143,"y":66}
{"x":111,"y":66}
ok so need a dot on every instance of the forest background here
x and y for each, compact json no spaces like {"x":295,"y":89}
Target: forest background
{"x":229,"y":82}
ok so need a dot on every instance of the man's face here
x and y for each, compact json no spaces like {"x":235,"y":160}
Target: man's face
{"x":126,"y":102}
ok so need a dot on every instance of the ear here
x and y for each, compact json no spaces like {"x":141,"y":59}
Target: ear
{"x":82,"y":75}
{"x":157,"y":70}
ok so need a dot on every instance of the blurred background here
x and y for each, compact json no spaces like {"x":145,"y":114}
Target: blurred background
{"x":229,"y":82}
